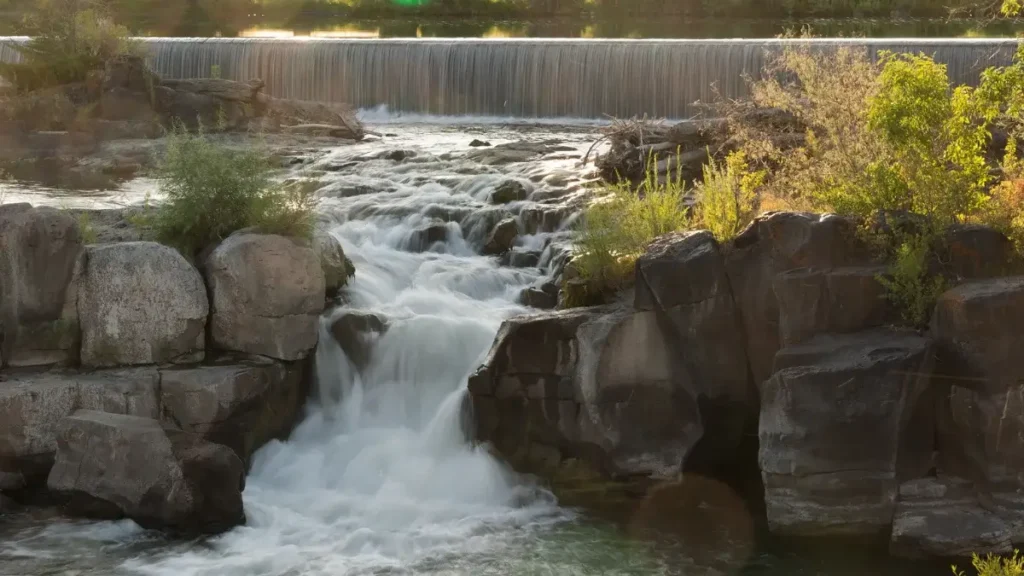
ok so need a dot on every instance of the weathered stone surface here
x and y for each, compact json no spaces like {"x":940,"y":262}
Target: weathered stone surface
{"x":682,"y":278}
{"x":509,"y":191}
{"x":939,"y":517}
{"x":423,"y":239}
{"x":39,"y":253}
{"x":538,"y":298}
{"x":337,"y":268}
{"x":975,"y":252}
{"x":140,"y":303}
{"x":843,"y":419}
{"x":241,"y":405}
{"x":502,"y":237}
{"x":356,"y":333}
{"x":524,"y":258}
{"x":836,"y":301}
{"x":976,"y":327}
{"x":776,"y":242}
{"x":219,"y":88}
{"x":109,"y":465}
{"x":129,"y":73}
{"x":267,"y":292}
{"x":32,"y":404}
{"x":590,"y":384}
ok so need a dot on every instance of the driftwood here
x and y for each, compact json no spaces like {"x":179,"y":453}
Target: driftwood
{"x":218,"y":88}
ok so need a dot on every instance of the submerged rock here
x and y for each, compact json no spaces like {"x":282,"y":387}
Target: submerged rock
{"x":267,"y":292}
{"x":355,"y":333}
{"x":509,"y":191}
{"x":502,"y":237}
{"x":111,"y":465}
{"x":141,"y":303}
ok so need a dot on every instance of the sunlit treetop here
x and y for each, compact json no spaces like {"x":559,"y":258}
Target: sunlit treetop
{"x":1012,"y":7}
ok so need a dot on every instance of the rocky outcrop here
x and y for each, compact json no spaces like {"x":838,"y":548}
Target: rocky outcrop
{"x":502,"y":237}
{"x":941,"y":517}
{"x":39,"y":255}
{"x":110,"y":465}
{"x":509,"y":191}
{"x":336,"y":266}
{"x":594,"y":385}
{"x":140,"y":303}
{"x":977,"y":331}
{"x":843,"y":419}
{"x":240,"y":403}
{"x":267,"y":292}
{"x":778,"y":242}
{"x":830,"y":301}
{"x":682,"y":278}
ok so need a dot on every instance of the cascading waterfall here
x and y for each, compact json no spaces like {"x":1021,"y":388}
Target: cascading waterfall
{"x":524,"y":78}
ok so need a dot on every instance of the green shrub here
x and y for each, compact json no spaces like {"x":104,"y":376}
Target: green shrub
{"x":616,"y":230}
{"x":70,"y":38}
{"x":727,"y":198}
{"x":88,"y":232}
{"x":910,"y":285}
{"x":212,"y":191}
{"x":996,"y":565}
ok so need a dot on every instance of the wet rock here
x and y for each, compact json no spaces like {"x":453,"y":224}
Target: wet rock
{"x":397,"y":155}
{"x":423,"y":239}
{"x":111,"y":465}
{"x":941,"y":518}
{"x":843,"y":419}
{"x":355,"y":333}
{"x":836,"y":301}
{"x":591,"y":384}
{"x":39,"y":254}
{"x":343,"y":132}
{"x":976,"y":327}
{"x":267,"y":292}
{"x":140,"y":303}
{"x":776,"y":242}
{"x":502,"y":237}
{"x":524,"y":258}
{"x":32,"y":405}
{"x":336,"y":266}
{"x":538,"y":298}
{"x":509,"y":191}
{"x":7,"y":505}
{"x":479,"y":143}
{"x":682,"y":279}
{"x":242,"y":405}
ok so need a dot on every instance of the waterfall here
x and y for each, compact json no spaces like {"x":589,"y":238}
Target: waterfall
{"x":527,"y":78}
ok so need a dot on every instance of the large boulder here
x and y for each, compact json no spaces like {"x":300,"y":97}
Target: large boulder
{"x":682,"y":278}
{"x":941,"y":517}
{"x":140,"y":303}
{"x":241,"y":405}
{"x":336,"y":266}
{"x":977,"y":331}
{"x":777,"y":242}
{"x":111,"y":465}
{"x":843,"y":420}
{"x":33,"y":404}
{"x":835,"y":301}
{"x":356,"y":333}
{"x":502,"y":237}
{"x":267,"y":293}
{"x":594,"y":385}
{"x":39,"y":255}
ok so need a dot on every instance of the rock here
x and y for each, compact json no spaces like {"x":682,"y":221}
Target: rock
{"x":140,"y":303}
{"x":39,"y":253}
{"x":343,"y":132}
{"x":976,"y":327}
{"x":32,"y":405}
{"x":524,"y":258}
{"x":336,"y":266}
{"x":682,"y":279}
{"x":7,"y":505}
{"x":776,"y":242}
{"x":128,"y":73}
{"x":509,"y":191}
{"x":293,"y":112}
{"x":241,"y":405}
{"x":267,"y":292}
{"x":942,"y":518}
{"x":589,"y":384}
{"x":479,"y":143}
{"x":423,"y":239}
{"x":843,"y":420}
{"x":976,"y":252}
{"x":111,"y":465}
{"x":397,"y":155}
{"x":836,"y":301}
{"x":355,"y":333}
{"x":502,"y":237}
{"x":538,"y":298}
{"x":123,"y":105}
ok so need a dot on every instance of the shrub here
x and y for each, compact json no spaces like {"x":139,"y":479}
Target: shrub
{"x":727,"y":198}
{"x":996,"y":565}
{"x":910,"y":286}
{"x":70,"y":38}
{"x":616,"y":230}
{"x":213,"y":191}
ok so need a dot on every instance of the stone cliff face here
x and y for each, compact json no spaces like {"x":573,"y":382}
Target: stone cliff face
{"x":863,"y":428}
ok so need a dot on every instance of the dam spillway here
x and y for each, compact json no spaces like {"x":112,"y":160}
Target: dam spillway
{"x":524,"y":78}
